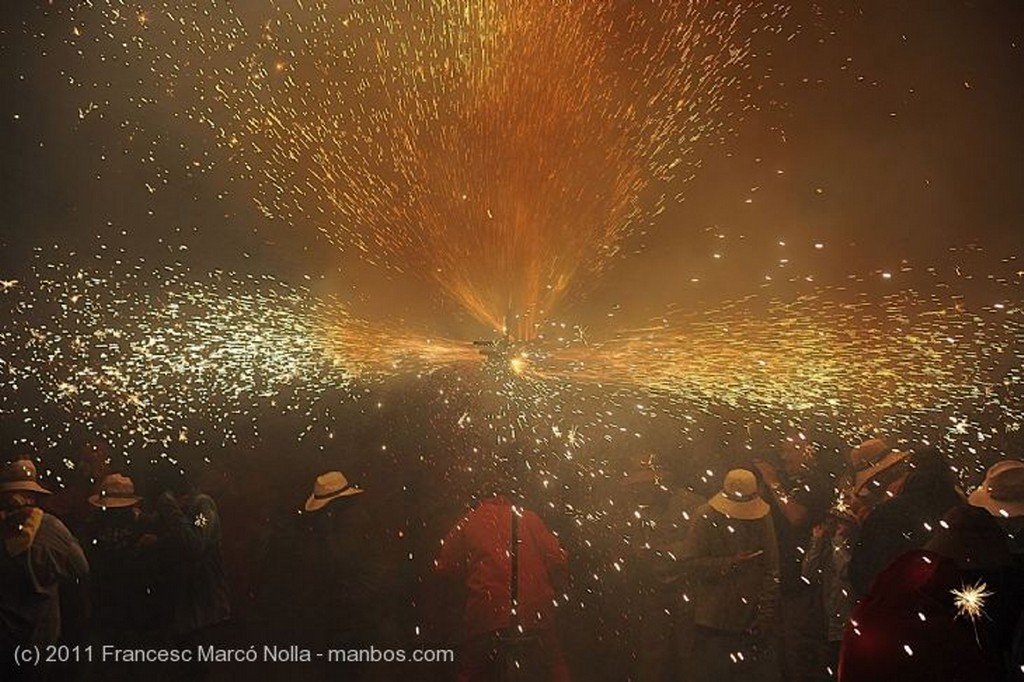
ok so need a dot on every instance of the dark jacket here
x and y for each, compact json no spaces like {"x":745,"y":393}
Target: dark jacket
{"x":729,"y":596}
{"x":907,"y":628}
{"x":191,"y":548}
{"x":41,"y":566}
{"x":903,"y":523}
{"x":125,"y":588}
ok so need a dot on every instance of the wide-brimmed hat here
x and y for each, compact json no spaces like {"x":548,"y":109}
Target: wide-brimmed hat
{"x":1002,"y":491}
{"x":871,"y":458}
{"x":739,"y":498}
{"x":329,"y":486}
{"x":20,"y":476}
{"x":115,"y":491}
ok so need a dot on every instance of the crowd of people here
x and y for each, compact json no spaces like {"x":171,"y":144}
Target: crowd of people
{"x":884,"y":570}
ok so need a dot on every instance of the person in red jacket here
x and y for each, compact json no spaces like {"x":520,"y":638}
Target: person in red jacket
{"x":499,"y":626}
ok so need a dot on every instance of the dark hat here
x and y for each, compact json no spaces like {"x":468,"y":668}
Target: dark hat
{"x":972,"y":538}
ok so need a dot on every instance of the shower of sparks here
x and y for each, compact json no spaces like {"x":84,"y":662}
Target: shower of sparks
{"x":496,"y":150}
{"x":970,"y":600}
{"x":907,"y":355}
{"x":148,"y":352}
{"x":160,"y":350}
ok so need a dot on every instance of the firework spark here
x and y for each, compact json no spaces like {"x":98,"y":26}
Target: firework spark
{"x":147,"y":353}
{"x":495,"y":149}
{"x":970,"y":600}
{"x":815,"y":356}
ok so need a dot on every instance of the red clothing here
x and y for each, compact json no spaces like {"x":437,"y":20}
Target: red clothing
{"x":907,"y":628}
{"x":478,"y":551}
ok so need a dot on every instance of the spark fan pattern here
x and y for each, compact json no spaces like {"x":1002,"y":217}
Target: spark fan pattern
{"x":908,"y":357}
{"x":496,"y":150}
{"x":150,"y":355}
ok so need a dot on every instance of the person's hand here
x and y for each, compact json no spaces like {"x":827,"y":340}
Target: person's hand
{"x":769,"y":474}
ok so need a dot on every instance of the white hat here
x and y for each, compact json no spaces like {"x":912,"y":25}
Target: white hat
{"x":739,"y":498}
{"x":115,"y":491}
{"x":1002,"y":492}
{"x":329,"y":486}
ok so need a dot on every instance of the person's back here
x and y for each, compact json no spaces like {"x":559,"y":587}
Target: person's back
{"x":479,"y":547}
{"x":42,"y":569}
{"x":123,"y":561}
{"x":190,"y":540}
{"x":40,"y":556}
{"x":479,"y":552}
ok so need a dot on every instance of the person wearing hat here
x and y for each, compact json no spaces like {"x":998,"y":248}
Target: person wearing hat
{"x":42,"y":568}
{"x":122,"y":553}
{"x":732,"y":552}
{"x":907,"y":519}
{"x":1002,"y":495}
{"x":873,"y":470}
{"x":342,"y":572}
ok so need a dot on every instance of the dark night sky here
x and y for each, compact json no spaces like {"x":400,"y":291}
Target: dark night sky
{"x":896,"y":127}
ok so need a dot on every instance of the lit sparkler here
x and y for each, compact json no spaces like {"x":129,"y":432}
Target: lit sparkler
{"x":970,"y":600}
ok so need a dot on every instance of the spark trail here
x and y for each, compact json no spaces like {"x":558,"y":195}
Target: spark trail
{"x":904,"y":358}
{"x":141,"y":354}
{"x":496,"y":150}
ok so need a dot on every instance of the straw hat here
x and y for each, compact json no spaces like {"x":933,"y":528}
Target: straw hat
{"x":1002,"y":491}
{"x":871,"y":458}
{"x":20,"y":476}
{"x":329,"y":486}
{"x":115,"y":491}
{"x":739,"y":498}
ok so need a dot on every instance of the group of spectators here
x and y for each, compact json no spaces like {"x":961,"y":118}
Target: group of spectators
{"x":886,"y":570}
{"x":153,"y":578}
{"x":149,"y":575}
